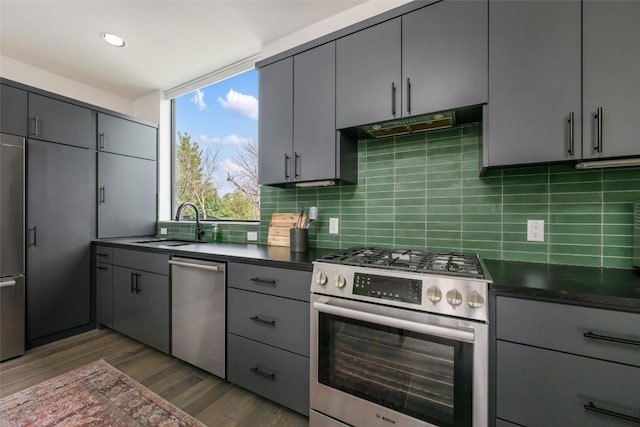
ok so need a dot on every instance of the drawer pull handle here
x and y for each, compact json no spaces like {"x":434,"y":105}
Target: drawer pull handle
{"x":101,"y":254}
{"x":263,"y":281}
{"x":591,"y":407}
{"x":611,"y":339}
{"x":261,"y":320}
{"x":269,"y":375}
{"x":101,"y":268}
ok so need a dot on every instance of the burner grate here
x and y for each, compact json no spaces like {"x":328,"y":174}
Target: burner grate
{"x":409,"y":260}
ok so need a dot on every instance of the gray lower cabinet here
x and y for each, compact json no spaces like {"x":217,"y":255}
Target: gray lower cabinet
{"x":59,"y":199}
{"x":611,"y":66}
{"x":104,"y":294}
{"x":127,"y":190}
{"x":122,"y":136}
{"x":141,"y":306}
{"x":13,"y":110}
{"x":268,"y":332}
{"x":58,"y":121}
{"x":534,"y":82}
{"x":559,"y":365}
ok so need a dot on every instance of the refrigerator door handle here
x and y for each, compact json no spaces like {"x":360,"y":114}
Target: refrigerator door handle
{"x":7,"y":283}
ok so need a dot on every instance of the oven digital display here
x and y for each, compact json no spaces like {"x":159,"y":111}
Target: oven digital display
{"x":391,"y":288}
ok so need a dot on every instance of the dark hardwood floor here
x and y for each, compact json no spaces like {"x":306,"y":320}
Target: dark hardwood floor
{"x":208,"y":398}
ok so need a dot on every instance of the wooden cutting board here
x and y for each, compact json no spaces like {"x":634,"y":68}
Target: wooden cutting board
{"x":280,"y":227}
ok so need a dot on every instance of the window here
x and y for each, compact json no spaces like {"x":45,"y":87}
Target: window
{"x":215,"y":149}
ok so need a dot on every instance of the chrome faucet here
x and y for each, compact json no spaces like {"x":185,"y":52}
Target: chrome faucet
{"x":199,"y":231}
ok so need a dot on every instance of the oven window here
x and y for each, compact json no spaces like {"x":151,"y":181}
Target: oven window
{"x":423,"y":376}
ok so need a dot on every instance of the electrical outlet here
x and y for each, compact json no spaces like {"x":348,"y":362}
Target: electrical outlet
{"x":334,"y":225}
{"x":163,"y":231}
{"x":252,"y":236}
{"x":535,"y":230}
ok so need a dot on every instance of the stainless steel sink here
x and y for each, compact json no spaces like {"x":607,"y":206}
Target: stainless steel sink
{"x":168,"y":242}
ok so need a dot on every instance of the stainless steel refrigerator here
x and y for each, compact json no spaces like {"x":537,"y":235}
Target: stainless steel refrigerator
{"x":12,"y":231}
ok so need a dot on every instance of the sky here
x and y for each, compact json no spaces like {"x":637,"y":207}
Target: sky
{"x":224,"y":113}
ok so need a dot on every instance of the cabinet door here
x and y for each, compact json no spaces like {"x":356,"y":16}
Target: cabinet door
{"x":141,"y":306}
{"x":276,"y":123}
{"x":58,"y":121}
{"x":59,"y":199}
{"x":314,"y":121}
{"x":121,"y":136}
{"x":126,"y":196}
{"x":444,"y":56}
{"x":368,"y":74}
{"x":611,"y":36}
{"x":534,"y":82}
{"x":104,"y":294}
{"x":13,"y":111}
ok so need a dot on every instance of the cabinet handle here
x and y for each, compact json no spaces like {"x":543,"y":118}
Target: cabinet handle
{"x":131,"y":283}
{"x":102,"y":196}
{"x":268,"y":375}
{"x":595,"y":336}
{"x":101,"y":141}
{"x":408,"y":95}
{"x":296,"y":165}
{"x":137,"y":288}
{"x":393,"y":99}
{"x":35,"y":125}
{"x":597,"y":147}
{"x":263,"y":281}
{"x":34,"y":242}
{"x":261,"y":320}
{"x":287,"y":162}
{"x":101,"y":268}
{"x":570,"y":134}
{"x":593,"y":408}
{"x":101,"y":254}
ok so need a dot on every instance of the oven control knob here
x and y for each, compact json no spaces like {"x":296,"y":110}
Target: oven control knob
{"x":340,"y":281}
{"x":454,"y":297}
{"x":475,"y":300}
{"x":434,"y":294}
{"x":321,"y":279}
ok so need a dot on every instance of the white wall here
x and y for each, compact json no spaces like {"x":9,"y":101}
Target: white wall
{"x":43,"y":79}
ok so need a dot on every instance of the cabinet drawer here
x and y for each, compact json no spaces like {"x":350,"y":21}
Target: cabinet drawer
{"x":270,"y":280}
{"x":279,"y":322}
{"x":563,"y":327}
{"x":275,"y":374}
{"x":140,"y":260}
{"x":538,"y":387}
{"x":104,"y":254}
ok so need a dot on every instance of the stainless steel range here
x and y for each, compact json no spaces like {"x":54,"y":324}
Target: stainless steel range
{"x":399,"y":337}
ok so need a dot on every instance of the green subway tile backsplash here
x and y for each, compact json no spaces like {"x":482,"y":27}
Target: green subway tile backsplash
{"x":424,"y":191}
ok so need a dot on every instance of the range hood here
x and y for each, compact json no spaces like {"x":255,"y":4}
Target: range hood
{"x":422,"y":123}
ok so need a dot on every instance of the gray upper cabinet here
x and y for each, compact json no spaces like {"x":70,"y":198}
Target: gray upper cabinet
{"x":126,"y":196}
{"x":444,"y":56}
{"x":368,"y":75}
{"x":58,"y":121}
{"x":276,"y":122}
{"x":611,"y":36}
{"x":314,"y":119}
{"x":534,"y":82}
{"x":13,"y":110}
{"x":59,"y":199}
{"x":121,"y":136}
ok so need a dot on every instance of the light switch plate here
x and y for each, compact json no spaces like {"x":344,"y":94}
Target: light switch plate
{"x":252,"y":236}
{"x":334,"y":225}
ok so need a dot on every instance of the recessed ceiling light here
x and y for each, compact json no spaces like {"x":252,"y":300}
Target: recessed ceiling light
{"x":112,"y":39}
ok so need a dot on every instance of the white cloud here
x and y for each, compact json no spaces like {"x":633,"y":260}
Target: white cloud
{"x":247,"y":105}
{"x":230,"y":166}
{"x":198,"y":99}
{"x":232,"y":139}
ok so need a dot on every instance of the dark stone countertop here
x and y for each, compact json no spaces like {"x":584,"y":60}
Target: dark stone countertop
{"x":271,"y":256}
{"x":592,"y":286}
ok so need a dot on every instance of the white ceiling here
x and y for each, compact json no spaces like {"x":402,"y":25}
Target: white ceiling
{"x":169,"y":42}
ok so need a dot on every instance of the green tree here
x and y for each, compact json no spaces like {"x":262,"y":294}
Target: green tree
{"x":194,"y":172}
{"x":245,"y":180}
{"x":237,"y":205}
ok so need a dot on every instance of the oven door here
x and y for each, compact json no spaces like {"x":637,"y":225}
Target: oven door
{"x":373,"y":365}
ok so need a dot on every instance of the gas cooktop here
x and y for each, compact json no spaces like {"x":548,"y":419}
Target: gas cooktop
{"x":460,"y":265}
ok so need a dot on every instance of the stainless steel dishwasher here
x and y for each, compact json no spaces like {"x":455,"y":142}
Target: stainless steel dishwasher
{"x":198,"y":313}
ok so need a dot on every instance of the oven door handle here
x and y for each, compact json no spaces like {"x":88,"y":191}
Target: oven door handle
{"x":422,"y":328}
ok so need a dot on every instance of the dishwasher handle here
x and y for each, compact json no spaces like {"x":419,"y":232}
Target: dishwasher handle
{"x":198,"y":266}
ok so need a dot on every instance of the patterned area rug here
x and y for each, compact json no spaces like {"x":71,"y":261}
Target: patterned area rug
{"x":95,"y":395}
